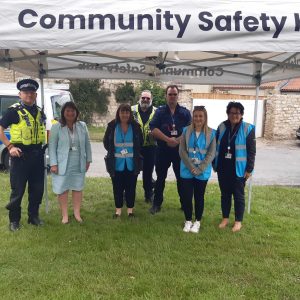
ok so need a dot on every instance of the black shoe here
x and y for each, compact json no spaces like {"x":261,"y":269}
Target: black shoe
{"x":154,"y":209}
{"x":14,"y":226}
{"x":131,"y":215}
{"x":149,"y":199}
{"x":36,"y":221}
{"x":116,"y":216}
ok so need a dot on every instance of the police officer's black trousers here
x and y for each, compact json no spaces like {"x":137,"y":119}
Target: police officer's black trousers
{"x":28,"y":168}
{"x":124,"y":181}
{"x":148,"y":154}
{"x":193,"y":187}
{"x":164,"y":157}
{"x":232,"y":186}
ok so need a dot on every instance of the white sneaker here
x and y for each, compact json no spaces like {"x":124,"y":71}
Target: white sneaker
{"x":196,"y":227}
{"x":187,"y":226}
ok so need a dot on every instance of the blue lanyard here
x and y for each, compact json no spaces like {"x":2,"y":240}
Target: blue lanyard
{"x":230,"y":138}
{"x":173,"y":121}
{"x":196,"y":139}
{"x":123,"y":136}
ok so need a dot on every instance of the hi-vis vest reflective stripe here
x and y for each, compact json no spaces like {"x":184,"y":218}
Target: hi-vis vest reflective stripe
{"x":208,"y":139}
{"x":240,"y":147}
{"x":202,"y":144}
{"x":28,"y":131}
{"x":148,"y":138}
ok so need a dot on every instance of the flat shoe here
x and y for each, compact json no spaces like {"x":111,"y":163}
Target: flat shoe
{"x":131,"y":215}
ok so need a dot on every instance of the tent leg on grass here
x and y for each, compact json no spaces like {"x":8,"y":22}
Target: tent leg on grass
{"x":255,"y":121}
{"x":45,"y":157}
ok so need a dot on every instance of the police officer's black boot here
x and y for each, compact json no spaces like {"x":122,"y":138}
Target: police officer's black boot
{"x":14,"y":226}
{"x":149,"y":197}
{"x":35,"y":221}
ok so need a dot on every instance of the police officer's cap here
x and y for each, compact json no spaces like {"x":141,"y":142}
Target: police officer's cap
{"x":27,"y":85}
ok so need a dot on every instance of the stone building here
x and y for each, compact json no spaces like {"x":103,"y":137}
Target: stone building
{"x":282,"y":101}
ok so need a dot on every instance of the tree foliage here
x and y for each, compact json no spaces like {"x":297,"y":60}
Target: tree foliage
{"x":157,"y":90}
{"x":89,"y":97}
{"x":125,"y":93}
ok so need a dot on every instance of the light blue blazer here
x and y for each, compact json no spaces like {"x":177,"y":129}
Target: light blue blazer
{"x":59,"y":146}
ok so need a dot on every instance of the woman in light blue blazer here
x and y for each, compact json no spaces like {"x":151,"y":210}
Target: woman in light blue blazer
{"x":70,"y":158}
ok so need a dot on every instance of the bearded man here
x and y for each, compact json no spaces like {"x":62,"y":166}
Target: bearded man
{"x":143,"y":113}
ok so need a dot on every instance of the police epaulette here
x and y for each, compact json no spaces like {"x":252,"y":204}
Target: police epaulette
{"x":16,"y":106}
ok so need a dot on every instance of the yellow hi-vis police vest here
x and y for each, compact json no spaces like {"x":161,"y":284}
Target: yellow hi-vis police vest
{"x":148,"y":138}
{"x":28,"y":131}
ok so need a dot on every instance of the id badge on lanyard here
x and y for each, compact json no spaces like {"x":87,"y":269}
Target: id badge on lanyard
{"x":124,"y":152}
{"x":72,"y":138}
{"x":228,"y":155}
{"x":173,"y":131}
{"x":196,"y":161}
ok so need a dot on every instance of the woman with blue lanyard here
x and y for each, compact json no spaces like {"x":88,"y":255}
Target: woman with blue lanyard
{"x":123,"y":141}
{"x":197,"y":151}
{"x":234,"y":163}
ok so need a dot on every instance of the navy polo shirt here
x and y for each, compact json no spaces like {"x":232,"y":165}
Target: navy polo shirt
{"x":163,"y":120}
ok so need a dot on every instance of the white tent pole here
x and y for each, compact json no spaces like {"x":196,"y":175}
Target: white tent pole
{"x":45,"y":157}
{"x":255,"y":121}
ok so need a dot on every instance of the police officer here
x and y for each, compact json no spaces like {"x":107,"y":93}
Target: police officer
{"x":166,"y":126}
{"x":143,"y":113}
{"x":27,"y":130}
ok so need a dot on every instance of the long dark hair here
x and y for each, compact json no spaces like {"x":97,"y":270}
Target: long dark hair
{"x":124,"y":107}
{"x":71,"y":105}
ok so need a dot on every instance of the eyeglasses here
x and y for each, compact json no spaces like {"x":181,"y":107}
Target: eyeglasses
{"x":172,"y":94}
{"x":146,"y":98}
{"x":234,"y":113}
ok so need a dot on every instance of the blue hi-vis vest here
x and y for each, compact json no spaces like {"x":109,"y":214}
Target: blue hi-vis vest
{"x":123,"y":142}
{"x":240,"y":147}
{"x":202,"y":143}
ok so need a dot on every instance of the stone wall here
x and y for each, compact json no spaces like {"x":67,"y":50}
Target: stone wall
{"x":282,"y":116}
{"x":10,"y":76}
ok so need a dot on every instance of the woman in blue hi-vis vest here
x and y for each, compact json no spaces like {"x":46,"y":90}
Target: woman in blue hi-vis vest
{"x":197,"y":151}
{"x":123,"y":140}
{"x":234,"y":162}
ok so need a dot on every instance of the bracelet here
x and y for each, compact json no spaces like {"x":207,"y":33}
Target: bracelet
{"x":9,"y":146}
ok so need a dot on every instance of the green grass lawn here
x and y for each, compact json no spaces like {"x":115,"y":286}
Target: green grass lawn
{"x":96,"y":133}
{"x":150,"y":257}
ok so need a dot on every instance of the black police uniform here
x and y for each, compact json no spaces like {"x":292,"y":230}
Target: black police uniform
{"x":29,"y":167}
{"x":165,"y":155}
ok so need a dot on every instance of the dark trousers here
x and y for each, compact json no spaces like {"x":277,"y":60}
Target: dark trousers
{"x":189,"y":188}
{"x":148,"y":154}
{"x":232,"y":185}
{"x":124,"y":181}
{"x":164,"y":158}
{"x":28,"y":168}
